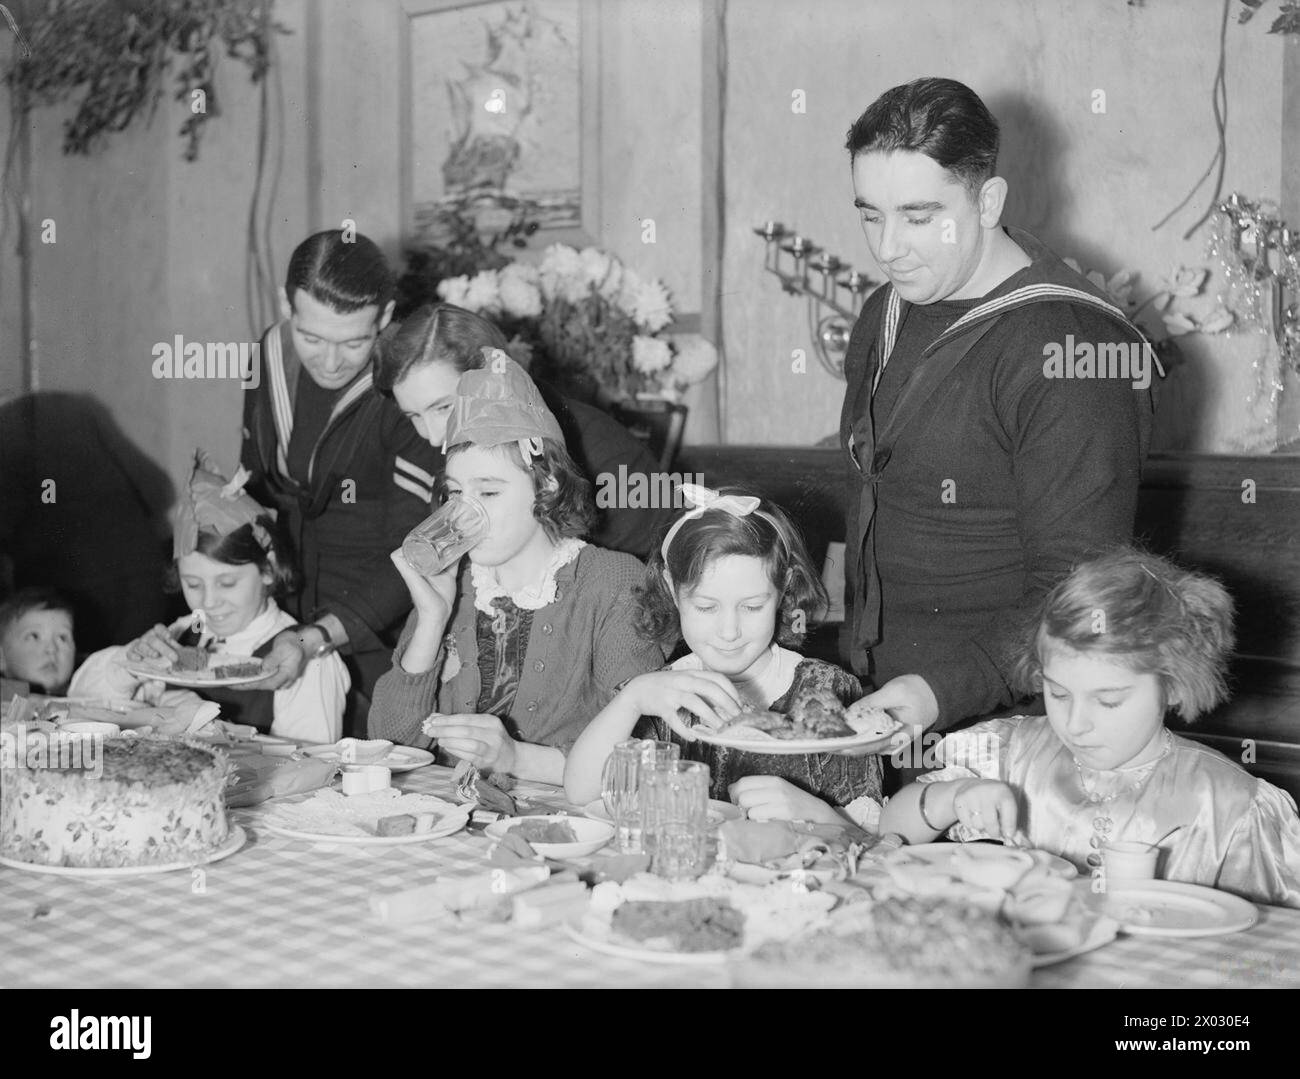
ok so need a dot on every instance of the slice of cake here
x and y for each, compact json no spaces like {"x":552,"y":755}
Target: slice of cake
{"x":686,"y":925}
{"x":544,"y":831}
{"x":190,"y":658}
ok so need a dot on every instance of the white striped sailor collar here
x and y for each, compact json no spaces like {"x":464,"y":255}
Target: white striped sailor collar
{"x":283,"y":369}
{"x":1038,"y":286}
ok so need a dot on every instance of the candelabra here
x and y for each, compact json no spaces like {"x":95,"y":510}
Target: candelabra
{"x":1268,"y":252}
{"x":830,"y":320}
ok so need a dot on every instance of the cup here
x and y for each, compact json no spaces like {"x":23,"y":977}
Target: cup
{"x":441,"y":539}
{"x":675,"y":819}
{"x":621,"y":785}
{"x":1129,"y":861}
{"x":366,"y":778}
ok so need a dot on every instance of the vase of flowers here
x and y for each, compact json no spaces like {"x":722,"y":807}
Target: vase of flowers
{"x":586,"y":321}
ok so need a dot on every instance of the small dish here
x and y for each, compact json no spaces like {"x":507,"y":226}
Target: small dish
{"x":592,"y":835}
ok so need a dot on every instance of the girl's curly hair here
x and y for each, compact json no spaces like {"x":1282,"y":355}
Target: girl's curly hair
{"x":767,"y":533}
{"x":1140,"y":610}
{"x":564,"y":504}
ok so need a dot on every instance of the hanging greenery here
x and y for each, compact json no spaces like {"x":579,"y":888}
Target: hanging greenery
{"x":114,"y":54}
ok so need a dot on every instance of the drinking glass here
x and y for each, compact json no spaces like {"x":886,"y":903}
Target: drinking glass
{"x":675,"y":818}
{"x":441,"y":539}
{"x":621,"y":786}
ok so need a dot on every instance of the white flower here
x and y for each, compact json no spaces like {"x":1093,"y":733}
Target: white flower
{"x":596,"y":265}
{"x":1177,"y":324}
{"x":1184,"y":282}
{"x":650,"y":355}
{"x":695,"y":358}
{"x":483,"y":293}
{"x":453,"y":290}
{"x":1218,"y":320}
{"x":646,"y":301}
{"x":561,"y":273}
{"x":520,"y":298}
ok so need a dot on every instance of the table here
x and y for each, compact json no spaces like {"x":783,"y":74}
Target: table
{"x":288,"y":913}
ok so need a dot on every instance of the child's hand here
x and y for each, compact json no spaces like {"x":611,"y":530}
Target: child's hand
{"x":432,"y":596}
{"x":987,"y":806}
{"x":480,"y":739}
{"x":156,"y":645}
{"x":772,"y":798}
{"x":709,"y":695}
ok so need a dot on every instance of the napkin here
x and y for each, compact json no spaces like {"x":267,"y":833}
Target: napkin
{"x":473,"y":786}
{"x":259,"y":777}
{"x":454,"y":896}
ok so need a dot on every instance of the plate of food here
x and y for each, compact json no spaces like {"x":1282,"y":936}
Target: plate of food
{"x":765,"y":852}
{"x":894,"y":943}
{"x":1166,"y":908}
{"x":372,"y":751}
{"x":704,"y":921}
{"x":382,"y":818}
{"x":195,"y":668}
{"x":816,"y":723}
{"x":558,"y":836}
{"x":942,"y":854}
{"x":718,"y":812}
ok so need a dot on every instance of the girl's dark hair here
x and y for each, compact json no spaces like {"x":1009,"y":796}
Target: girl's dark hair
{"x":433,"y":333}
{"x":767,"y":533}
{"x":941,"y":118}
{"x":1142,"y":611}
{"x":563,"y":503}
{"x":343,"y":273}
{"x":241,"y":548}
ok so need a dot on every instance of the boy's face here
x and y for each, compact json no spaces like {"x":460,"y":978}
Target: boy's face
{"x":38,"y":648}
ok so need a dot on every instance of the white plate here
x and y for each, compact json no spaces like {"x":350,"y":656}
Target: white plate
{"x":592,"y":835}
{"x":450,"y":824}
{"x":233,"y":842}
{"x":1167,"y":908}
{"x":1102,"y":931}
{"x":870,"y":742}
{"x":399,"y":758}
{"x":938,"y":853}
{"x":653,"y":955}
{"x":199,"y":679}
{"x":718,"y":811}
{"x":749,"y":873}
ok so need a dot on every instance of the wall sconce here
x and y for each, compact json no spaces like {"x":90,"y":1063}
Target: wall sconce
{"x":830,"y":318}
{"x":1268,"y":251}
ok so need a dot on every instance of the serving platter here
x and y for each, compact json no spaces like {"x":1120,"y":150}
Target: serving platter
{"x":232,"y":843}
{"x":864,"y":742}
{"x":450,"y":824}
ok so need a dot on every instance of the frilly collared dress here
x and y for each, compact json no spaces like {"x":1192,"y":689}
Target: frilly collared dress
{"x":1235,"y":832}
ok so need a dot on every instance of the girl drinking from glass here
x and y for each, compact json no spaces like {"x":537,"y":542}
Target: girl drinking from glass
{"x":1121,"y":641}
{"x":515,"y":651}
{"x":733,"y":580}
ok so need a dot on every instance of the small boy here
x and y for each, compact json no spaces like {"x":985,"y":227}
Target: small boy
{"x":36,"y":644}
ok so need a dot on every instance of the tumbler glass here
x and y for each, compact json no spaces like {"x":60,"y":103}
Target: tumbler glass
{"x":441,"y":539}
{"x":675,"y":819}
{"x":621,"y":786}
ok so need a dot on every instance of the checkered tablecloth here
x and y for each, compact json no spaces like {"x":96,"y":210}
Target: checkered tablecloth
{"x":283,"y":912}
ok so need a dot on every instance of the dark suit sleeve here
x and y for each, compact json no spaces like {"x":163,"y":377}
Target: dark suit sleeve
{"x":1077,"y":449}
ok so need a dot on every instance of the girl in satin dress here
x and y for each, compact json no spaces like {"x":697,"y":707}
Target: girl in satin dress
{"x":1124,"y":639}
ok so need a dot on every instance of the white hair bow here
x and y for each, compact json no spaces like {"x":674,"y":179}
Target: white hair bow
{"x":702,"y":499}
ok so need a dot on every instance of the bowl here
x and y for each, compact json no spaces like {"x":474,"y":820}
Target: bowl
{"x":592,"y":835}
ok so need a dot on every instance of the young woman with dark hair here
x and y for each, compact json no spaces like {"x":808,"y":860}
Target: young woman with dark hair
{"x":419,"y":364}
{"x":733,"y":580}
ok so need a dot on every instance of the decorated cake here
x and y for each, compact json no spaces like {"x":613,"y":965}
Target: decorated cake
{"x":149,"y":801}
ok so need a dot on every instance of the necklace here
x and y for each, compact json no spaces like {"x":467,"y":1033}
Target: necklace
{"x":1102,"y":822}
